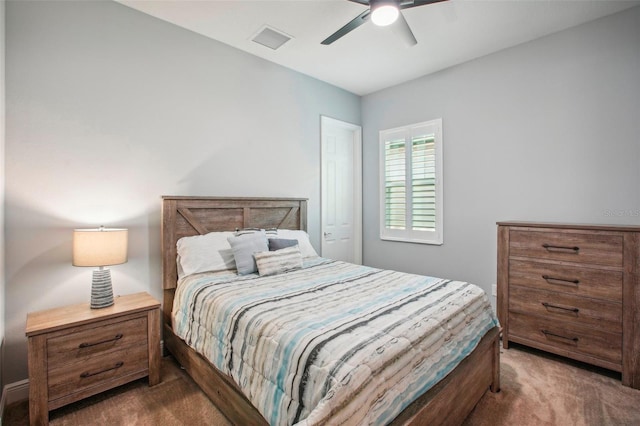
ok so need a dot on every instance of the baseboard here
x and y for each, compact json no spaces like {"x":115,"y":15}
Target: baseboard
{"x":13,"y":392}
{"x":17,"y":391}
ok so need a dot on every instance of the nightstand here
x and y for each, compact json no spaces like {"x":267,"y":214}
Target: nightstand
{"x":76,"y":351}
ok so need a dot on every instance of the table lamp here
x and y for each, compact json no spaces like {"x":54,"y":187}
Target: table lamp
{"x":99,"y":248}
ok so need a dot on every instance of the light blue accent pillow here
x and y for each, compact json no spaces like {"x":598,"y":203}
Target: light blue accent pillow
{"x":243,"y":247}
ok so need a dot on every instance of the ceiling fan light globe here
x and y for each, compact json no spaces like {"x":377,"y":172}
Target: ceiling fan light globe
{"x":384,"y":15}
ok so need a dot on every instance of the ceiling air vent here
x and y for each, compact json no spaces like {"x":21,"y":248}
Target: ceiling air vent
{"x":271,"y":38}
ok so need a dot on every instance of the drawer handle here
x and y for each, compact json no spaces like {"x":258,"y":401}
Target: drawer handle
{"x":549,"y":305}
{"x":548,"y":333}
{"x":573,"y":249}
{"x":88,"y":345}
{"x":563,"y":280}
{"x":115,"y":367}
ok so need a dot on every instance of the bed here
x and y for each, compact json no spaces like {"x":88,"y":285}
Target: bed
{"x":449,"y":401}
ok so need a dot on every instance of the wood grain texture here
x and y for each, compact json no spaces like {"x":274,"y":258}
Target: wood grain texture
{"x":631,"y":311}
{"x":588,"y":247}
{"x":58,"y":318}
{"x":503,"y":282}
{"x":99,"y":387}
{"x":78,"y":379}
{"x":591,"y":282}
{"x":191,"y":219}
{"x":167,"y":304}
{"x":76,"y":352}
{"x":78,"y":344}
{"x":582,"y":311}
{"x":153,"y":333}
{"x":453,"y":398}
{"x":600,"y":279}
{"x":208,"y":214}
{"x":38,"y":389}
{"x":569,"y":338}
{"x":576,"y":227}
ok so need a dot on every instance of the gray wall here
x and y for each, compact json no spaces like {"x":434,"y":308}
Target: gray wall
{"x":107,"y":110}
{"x":545,"y":131}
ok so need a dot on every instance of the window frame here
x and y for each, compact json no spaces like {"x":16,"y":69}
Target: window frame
{"x":410,"y":132}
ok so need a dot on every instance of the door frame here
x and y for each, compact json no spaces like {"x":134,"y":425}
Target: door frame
{"x":356,"y":131}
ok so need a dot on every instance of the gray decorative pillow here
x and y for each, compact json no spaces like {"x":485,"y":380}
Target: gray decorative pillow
{"x":280,"y":243}
{"x":276,"y":262}
{"x":243,"y":247}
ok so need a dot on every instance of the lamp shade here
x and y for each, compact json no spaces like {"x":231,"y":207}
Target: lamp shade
{"x":99,"y":247}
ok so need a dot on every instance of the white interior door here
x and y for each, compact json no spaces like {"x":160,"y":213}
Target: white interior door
{"x":341,"y":190}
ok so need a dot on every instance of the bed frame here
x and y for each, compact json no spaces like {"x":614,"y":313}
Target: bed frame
{"x":449,"y":402}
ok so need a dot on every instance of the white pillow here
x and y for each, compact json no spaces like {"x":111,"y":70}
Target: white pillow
{"x":306,"y":248}
{"x":203,"y":253}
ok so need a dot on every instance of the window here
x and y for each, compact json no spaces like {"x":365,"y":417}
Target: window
{"x":411,"y":183}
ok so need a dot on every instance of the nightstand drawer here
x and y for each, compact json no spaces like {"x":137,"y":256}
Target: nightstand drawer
{"x":77,"y":377}
{"x":589,"y":248}
{"x":579,"y":281}
{"x":90,"y":341}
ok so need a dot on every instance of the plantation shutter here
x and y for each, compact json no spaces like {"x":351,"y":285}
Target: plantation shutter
{"x":395,"y":184}
{"x":423,"y":183}
{"x":411,"y":183}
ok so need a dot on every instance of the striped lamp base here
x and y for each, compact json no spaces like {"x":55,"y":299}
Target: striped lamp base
{"x":101,"y":290}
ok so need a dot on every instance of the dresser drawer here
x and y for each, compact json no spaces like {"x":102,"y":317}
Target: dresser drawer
{"x":567,"y":337}
{"x":90,"y":341}
{"x":78,"y":377}
{"x":599,"y":314}
{"x":594,"y":248}
{"x":579,"y":281}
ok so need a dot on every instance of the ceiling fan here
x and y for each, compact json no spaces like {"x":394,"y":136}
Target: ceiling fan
{"x":383,"y":13}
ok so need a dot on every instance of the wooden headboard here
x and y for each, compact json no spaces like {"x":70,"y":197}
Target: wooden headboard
{"x":186,"y":216}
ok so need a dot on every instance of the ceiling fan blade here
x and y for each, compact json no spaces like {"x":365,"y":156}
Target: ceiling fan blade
{"x":352,"y":25}
{"x":401,"y":27}
{"x":364,"y":2}
{"x":407,"y":4}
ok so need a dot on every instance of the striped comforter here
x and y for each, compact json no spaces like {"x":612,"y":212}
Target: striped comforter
{"x":332,"y":343}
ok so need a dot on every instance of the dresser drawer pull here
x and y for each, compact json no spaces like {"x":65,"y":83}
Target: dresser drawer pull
{"x":573,"y":249}
{"x":115,"y":367}
{"x":562,"y":280}
{"x":549,"y":305}
{"x":88,"y":345}
{"x":548,"y":333}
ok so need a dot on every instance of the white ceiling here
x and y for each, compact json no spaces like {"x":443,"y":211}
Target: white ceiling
{"x":372,"y":58}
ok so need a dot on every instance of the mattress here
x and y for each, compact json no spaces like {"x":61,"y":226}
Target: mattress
{"x":333,"y":342}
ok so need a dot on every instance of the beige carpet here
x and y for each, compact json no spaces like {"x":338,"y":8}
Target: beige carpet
{"x":542,"y":389}
{"x":537,"y":389}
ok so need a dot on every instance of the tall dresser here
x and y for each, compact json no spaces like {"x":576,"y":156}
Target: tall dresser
{"x":573,"y":290}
